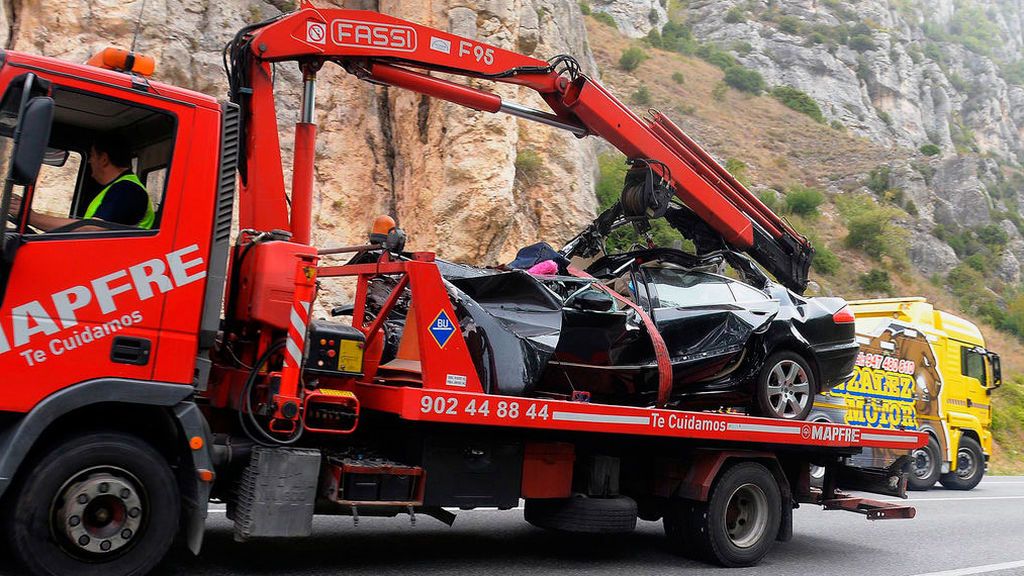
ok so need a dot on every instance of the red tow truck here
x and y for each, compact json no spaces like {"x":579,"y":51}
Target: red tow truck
{"x":145,"y":372}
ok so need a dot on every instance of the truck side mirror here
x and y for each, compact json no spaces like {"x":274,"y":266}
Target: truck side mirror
{"x":30,"y":141}
{"x":997,"y":371}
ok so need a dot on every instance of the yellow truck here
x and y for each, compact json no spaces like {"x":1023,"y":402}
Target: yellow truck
{"x":920,"y":369}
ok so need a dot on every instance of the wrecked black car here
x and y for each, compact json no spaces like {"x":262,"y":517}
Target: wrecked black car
{"x":646,"y":327}
{"x":730,"y":344}
{"x":753,"y":345}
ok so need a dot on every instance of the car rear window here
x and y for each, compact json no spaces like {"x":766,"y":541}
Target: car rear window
{"x":678,"y":288}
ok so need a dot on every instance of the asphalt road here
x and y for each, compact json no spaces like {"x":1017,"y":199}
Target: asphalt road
{"x":954,"y":534}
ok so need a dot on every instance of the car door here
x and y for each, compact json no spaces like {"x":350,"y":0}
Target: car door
{"x":705,"y":319}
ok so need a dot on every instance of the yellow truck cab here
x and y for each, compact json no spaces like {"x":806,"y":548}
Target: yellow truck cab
{"x":924,"y":369}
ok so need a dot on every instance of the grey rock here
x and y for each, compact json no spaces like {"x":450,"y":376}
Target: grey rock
{"x":634,"y":18}
{"x":1008,"y":268}
{"x":931,"y":255}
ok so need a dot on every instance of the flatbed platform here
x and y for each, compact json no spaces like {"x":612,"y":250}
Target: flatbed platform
{"x":455,"y":407}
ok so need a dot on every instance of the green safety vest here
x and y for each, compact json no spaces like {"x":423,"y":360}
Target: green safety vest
{"x":147,"y":221}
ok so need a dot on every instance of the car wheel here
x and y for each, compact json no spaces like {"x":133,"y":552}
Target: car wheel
{"x":970,"y":466}
{"x":926,"y":465}
{"x":583,"y":515}
{"x":101,"y":504}
{"x":785,"y":387}
{"x":736,"y":526}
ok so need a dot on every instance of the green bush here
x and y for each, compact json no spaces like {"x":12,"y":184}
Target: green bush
{"x":861,"y":42}
{"x":804,"y":201}
{"x":738,"y":169}
{"x":678,"y":38}
{"x":631,"y":58}
{"x":529,"y":166}
{"x":993,"y":236}
{"x":837,"y":125}
{"x":744,"y":79}
{"x":911,"y":208}
{"x":735,"y":15}
{"x":789,"y":24}
{"x":884,"y":116}
{"x":825,"y":261}
{"x":876,"y":281}
{"x":719,"y":91}
{"x":641,"y":97}
{"x":878,"y":179}
{"x":654,"y":39}
{"x":872,"y":228}
{"x":930,"y":150}
{"x":604,"y":18}
{"x":678,"y":77}
{"x":769,"y":199}
{"x":716,"y":56}
{"x":585,"y":8}
{"x":799,"y":101}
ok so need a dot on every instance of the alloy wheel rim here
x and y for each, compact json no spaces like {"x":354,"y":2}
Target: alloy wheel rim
{"x":789,"y":389}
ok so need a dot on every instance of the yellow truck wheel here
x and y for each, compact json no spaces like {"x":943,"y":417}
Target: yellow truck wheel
{"x":970,"y":466}
{"x":926,"y":466}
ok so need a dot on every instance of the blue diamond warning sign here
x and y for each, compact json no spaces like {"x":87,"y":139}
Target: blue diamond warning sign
{"x":441,"y":328}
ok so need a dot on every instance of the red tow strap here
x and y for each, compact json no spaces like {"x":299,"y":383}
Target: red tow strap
{"x":660,"y":349}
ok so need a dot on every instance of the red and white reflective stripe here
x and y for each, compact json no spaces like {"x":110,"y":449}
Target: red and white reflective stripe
{"x":297,"y":335}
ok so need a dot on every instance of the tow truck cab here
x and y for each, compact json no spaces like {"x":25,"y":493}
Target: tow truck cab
{"x":116,"y":302}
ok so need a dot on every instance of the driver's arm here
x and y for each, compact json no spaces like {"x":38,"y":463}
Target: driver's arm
{"x":46,"y":222}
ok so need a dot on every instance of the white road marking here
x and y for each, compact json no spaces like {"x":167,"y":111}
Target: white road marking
{"x":988,"y":568}
{"x":954,"y":499}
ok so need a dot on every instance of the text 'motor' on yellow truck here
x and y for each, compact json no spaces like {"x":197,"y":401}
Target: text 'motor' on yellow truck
{"x":920,"y":368}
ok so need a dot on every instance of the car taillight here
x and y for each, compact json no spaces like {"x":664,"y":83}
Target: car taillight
{"x":844,"y":316}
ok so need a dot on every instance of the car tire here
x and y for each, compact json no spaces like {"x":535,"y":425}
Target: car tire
{"x":926,"y":465}
{"x":738,"y":524}
{"x":970,"y":466}
{"x":785,"y":387}
{"x":123,"y":517}
{"x":583,"y":515}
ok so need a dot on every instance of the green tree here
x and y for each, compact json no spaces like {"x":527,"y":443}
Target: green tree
{"x":744,"y":79}
{"x":876,"y":281}
{"x":631,"y":58}
{"x":804,"y":201}
{"x":799,"y":101}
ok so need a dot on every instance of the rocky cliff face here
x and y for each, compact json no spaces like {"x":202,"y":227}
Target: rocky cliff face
{"x":905,"y":74}
{"x":472,"y":186}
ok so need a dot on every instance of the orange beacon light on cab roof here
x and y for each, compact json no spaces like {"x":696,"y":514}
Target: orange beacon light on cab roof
{"x":123,"y":61}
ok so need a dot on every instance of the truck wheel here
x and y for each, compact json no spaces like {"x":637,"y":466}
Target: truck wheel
{"x":583,"y":515}
{"x":736,"y":526}
{"x":926,"y":466}
{"x":103,"y":504}
{"x":785,"y":387}
{"x":970,"y":466}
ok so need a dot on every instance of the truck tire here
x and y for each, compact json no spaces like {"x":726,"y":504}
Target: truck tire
{"x":103,"y":504}
{"x":583,"y":515}
{"x":926,"y":466}
{"x":736,"y":526}
{"x":785,"y":387}
{"x":970,"y":466}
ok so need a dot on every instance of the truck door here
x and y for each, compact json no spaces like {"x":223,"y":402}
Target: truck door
{"x":977,"y":376}
{"x":86,"y":299}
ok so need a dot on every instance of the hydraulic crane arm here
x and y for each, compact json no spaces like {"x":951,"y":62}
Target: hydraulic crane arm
{"x":390,"y":51}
